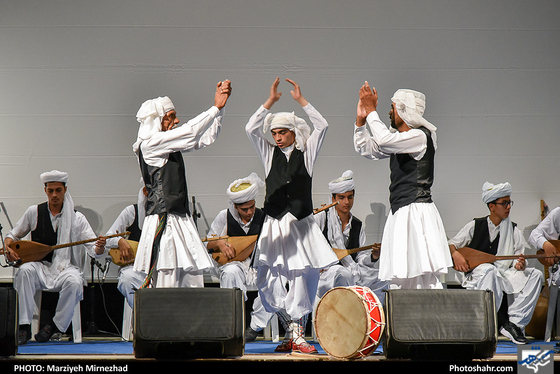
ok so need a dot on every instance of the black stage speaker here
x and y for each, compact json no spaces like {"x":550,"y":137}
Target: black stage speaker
{"x":446,"y":324}
{"x":8,"y":321}
{"x":189,"y":322}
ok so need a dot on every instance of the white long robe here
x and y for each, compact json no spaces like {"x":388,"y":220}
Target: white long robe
{"x":414,"y":249}
{"x":290,"y":248}
{"x":181,"y":249}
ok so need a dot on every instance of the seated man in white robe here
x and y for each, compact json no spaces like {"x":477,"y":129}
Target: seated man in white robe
{"x":498,"y":235}
{"x":241,"y":219}
{"x":53,"y":222}
{"x":343,"y":230}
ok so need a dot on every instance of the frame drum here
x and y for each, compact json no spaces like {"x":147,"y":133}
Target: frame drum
{"x":349,"y":322}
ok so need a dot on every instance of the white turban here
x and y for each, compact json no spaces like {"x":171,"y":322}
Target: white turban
{"x":492,"y":192}
{"x":244,"y":189}
{"x":342,"y":184}
{"x":410,"y":106}
{"x":54,"y":176}
{"x":287,"y":120}
{"x":149,"y":116}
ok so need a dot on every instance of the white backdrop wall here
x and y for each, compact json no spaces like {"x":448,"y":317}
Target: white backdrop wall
{"x":74,"y":73}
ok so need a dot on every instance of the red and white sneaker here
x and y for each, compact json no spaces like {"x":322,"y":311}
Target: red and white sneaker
{"x":304,"y":347}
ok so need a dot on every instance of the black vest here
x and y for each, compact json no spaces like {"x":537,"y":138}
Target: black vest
{"x":288,"y":186}
{"x":44,"y":232}
{"x":481,"y":237}
{"x":412,"y":180}
{"x":235,"y":229}
{"x":134,"y":229}
{"x":167,"y":186}
{"x":353,"y":235}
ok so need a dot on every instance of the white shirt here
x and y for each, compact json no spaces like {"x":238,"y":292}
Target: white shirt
{"x":548,"y":229}
{"x":374,"y":140}
{"x":197,"y":133}
{"x":265,"y":149}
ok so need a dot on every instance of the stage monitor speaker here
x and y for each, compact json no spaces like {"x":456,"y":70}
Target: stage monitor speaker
{"x":446,"y":324}
{"x":8,"y":321}
{"x":189,"y":322}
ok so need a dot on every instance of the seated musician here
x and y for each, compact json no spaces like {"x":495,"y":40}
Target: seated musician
{"x":240,"y":219}
{"x":548,"y":229}
{"x":50,"y":223}
{"x":343,"y":230}
{"x":497,"y":235}
{"x":130,"y":219}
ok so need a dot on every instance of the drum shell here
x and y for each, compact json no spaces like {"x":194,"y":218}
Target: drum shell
{"x":349,"y":322}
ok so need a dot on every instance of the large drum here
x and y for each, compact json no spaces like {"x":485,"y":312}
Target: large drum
{"x":349,"y":322}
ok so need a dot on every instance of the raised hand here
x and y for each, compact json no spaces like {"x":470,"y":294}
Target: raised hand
{"x":223,"y":91}
{"x":274,"y":94}
{"x":296,"y":93}
{"x":368,"y":98}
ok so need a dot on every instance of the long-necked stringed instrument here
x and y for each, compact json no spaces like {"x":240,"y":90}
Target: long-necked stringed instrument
{"x":29,"y":251}
{"x":118,"y":260}
{"x":340,"y":253}
{"x":475,"y":257}
{"x":324,"y":207}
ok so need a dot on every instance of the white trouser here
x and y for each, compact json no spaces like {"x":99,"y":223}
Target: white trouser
{"x":520,"y":305}
{"x":234,"y":275}
{"x":297,"y":299}
{"x":69,"y":283}
{"x":130,"y":281}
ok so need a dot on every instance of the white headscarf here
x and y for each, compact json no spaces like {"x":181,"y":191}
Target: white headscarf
{"x":62,"y":257}
{"x":492,"y":192}
{"x":149,"y":116}
{"x":410,"y":106}
{"x":342,"y":184}
{"x":287,"y":120}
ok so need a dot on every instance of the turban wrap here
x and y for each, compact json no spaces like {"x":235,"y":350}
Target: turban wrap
{"x":342,"y":184}
{"x":287,"y":120}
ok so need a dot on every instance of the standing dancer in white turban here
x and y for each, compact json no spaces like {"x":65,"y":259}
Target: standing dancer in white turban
{"x":170,"y":250}
{"x":414,"y":252}
{"x":53,"y":222}
{"x":291,"y":246}
{"x":240,"y":219}
{"x":344,"y":230}
{"x":497,"y":235}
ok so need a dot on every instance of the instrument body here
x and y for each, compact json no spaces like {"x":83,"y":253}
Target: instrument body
{"x":243,"y":245}
{"x":349,"y":322}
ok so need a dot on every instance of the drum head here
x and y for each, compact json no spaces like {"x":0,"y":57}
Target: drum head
{"x":342,"y":322}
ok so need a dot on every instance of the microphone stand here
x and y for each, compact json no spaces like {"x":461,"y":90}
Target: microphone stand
{"x":91,"y":325}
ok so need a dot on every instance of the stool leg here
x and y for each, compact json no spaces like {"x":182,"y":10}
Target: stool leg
{"x":77,"y":324}
{"x":552,"y":298}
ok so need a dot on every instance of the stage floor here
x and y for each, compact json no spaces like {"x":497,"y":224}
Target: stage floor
{"x":115,"y":349}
